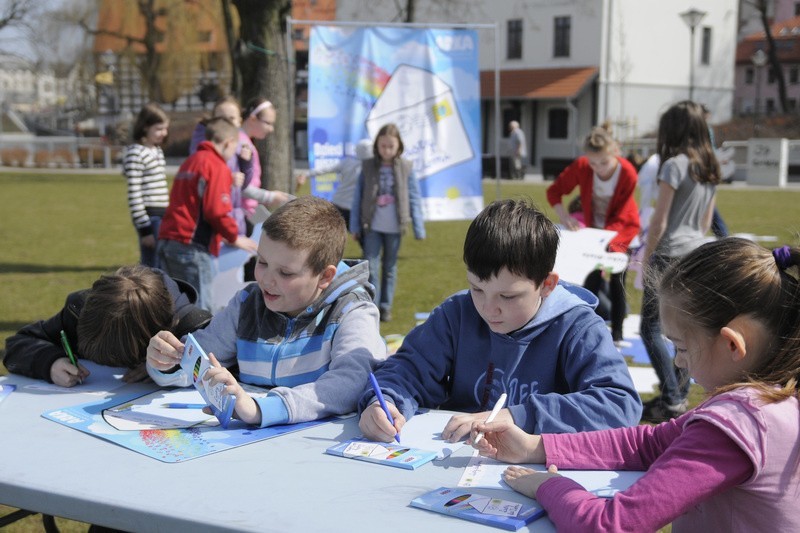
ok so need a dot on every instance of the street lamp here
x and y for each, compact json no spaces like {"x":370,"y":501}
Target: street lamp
{"x":759,"y":59}
{"x":692,"y":19}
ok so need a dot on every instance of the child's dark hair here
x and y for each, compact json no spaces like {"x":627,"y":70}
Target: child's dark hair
{"x":730,"y":277}
{"x":150,"y":115}
{"x":682,"y":129}
{"x":513,"y":234}
{"x":121,"y":313}
{"x":220,"y":129}
{"x":390,"y":130}
{"x":313,"y":224}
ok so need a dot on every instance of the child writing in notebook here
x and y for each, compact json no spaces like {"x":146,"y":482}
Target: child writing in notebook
{"x":732,"y":309}
{"x":606,"y":183}
{"x":519,"y":331}
{"x":110,"y":324}
{"x":307,"y":328}
{"x":386,"y":199}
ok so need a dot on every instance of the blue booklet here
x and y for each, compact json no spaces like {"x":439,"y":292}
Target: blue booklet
{"x":477,"y":507}
{"x":195,"y":363}
{"x":383,"y":453}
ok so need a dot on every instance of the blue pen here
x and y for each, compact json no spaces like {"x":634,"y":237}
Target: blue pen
{"x":381,"y":401}
{"x":183,"y":405}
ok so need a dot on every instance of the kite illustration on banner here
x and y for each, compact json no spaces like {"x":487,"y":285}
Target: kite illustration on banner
{"x":424,"y":109}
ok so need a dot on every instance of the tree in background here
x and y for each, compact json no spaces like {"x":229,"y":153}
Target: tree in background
{"x":772,"y":52}
{"x":159,"y":37}
{"x":261,"y":66}
{"x":15,"y":13}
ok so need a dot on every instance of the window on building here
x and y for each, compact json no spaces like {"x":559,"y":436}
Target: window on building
{"x":796,"y":9}
{"x":794,"y":75}
{"x":514,"y":39}
{"x":749,"y":73}
{"x":791,"y":104}
{"x":705,"y":50}
{"x":557,"y":123}
{"x":771,"y":76}
{"x":204,"y":36}
{"x":561,"y":36}
{"x":770,"y":106}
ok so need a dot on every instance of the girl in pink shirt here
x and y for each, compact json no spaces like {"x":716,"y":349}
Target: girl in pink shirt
{"x":732,"y":309}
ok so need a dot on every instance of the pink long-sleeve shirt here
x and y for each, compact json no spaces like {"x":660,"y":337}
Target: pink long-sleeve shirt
{"x":728,"y":465}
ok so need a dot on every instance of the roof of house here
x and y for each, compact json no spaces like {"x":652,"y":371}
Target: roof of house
{"x":538,"y":83}
{"x":787,"y":42}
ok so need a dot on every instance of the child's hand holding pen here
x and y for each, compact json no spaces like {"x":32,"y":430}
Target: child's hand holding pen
{"x":375,"y":425}
{"x":246,"y":408}
{"x":64,"y":374}
{"x":164,"y":351}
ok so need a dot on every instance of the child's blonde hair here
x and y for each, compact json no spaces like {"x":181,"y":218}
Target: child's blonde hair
{"x":600,"y":140}
{"x":730,"y":277}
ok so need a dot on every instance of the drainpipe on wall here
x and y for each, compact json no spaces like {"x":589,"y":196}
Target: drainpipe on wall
{"x":573,"y":118}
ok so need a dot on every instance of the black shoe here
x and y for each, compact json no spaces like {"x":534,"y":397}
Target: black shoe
{"x":657,"y":410}
{"x":386,"y":315}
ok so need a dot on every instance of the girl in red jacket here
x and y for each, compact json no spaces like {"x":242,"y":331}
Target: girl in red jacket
{"x":606,"y":182}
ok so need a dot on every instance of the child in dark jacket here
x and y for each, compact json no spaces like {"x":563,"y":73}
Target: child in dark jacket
{"x":109,"y":324}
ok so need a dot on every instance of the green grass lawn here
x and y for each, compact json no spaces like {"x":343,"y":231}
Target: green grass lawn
{"x":59,"y":232}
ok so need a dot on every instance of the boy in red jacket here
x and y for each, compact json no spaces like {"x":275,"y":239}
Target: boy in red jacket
{"x":199,"y":214}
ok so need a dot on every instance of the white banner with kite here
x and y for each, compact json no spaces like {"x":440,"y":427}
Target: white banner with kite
{"x":425,"y":81}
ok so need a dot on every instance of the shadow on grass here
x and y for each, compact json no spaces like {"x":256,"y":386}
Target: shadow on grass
{"x":11,"y":326}
{"x":31,"y":268}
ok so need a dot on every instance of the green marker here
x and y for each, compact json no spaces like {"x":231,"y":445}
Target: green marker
{"x":65,"y":344}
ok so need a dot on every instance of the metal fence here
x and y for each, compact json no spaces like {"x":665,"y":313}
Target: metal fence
{"x":57,"y":152}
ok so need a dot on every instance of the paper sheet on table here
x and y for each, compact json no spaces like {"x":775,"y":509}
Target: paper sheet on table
{"x":424,"y":431}
{"x":101,"y":380}
{"x":159,"y":410}
{"x":483,"y":472}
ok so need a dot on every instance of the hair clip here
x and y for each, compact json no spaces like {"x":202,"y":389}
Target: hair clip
{"x":783,"y":257}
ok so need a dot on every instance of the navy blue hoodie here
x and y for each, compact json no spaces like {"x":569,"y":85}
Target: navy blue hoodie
{"x":561,"y":371}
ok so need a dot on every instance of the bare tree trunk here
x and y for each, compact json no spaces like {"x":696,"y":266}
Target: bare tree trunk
{"x":410,"y":8}
{"x":265,"y":73}
{"x":230,"y":37}
{"x":772,"y":52}
{"x":151,"y":59}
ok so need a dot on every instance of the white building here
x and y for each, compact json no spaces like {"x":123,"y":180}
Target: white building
{"x":23,"y":86}
{"x":566,"y":65}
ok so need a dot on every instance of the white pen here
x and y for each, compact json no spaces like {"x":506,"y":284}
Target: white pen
{"x":501,"y":401}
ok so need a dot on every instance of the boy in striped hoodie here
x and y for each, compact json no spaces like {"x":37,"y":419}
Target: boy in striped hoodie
{"x":307,"y":329}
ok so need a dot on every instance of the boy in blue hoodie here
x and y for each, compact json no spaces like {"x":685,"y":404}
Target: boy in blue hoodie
{"x":516,"y":331}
